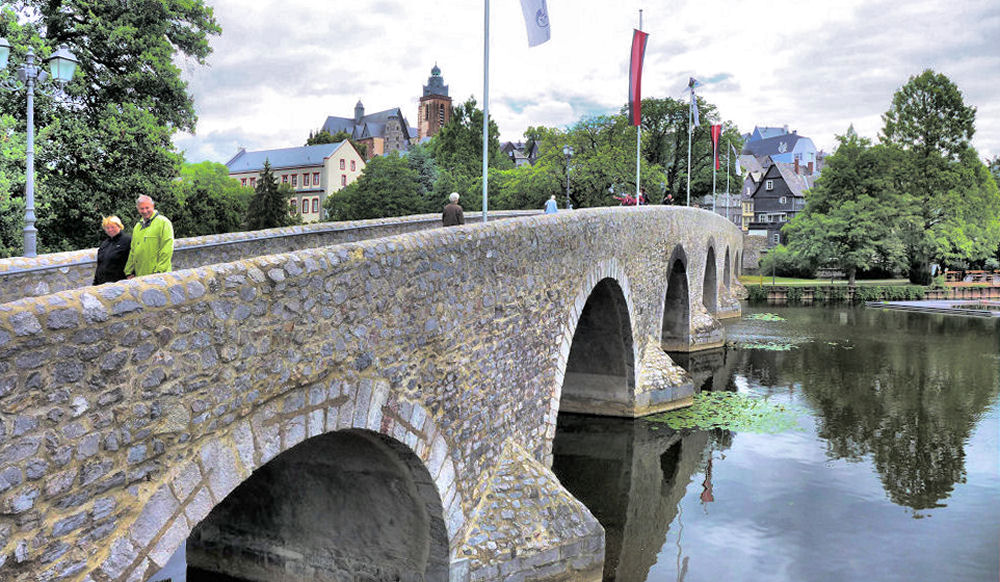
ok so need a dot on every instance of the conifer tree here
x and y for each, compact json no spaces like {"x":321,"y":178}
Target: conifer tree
{"x":269,"y":206}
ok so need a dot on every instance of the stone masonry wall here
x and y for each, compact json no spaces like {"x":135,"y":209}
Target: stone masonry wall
{"x":128,"y":410}
{"x":51,"y":273}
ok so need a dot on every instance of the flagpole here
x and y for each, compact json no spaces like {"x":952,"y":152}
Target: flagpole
{"x":486,"y":105}
{"x":690,"y":119}
{"x":728,"y":201}
{"x":638,"y":137}
{"x":713,"y":181}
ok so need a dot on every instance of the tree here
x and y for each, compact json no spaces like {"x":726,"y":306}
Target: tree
{"x":12,"y":146}
{"x":949,"y":198}
{"x":127,"y":99}
{"x":388,"y":186}
{"x":323,"y":136}
{"x":928,"y":116}
{"x":458,"y":147}
{"x":268,"y":208}
{"x":209,"y":201}
{"x":850,"y":216}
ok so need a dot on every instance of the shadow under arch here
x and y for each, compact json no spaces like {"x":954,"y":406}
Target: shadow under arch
{"x":710,"y":290}
{"x":337,"y":505}
{"x":600,"y":368}
{"x":676,"y":328}
{"x":726,"y":271}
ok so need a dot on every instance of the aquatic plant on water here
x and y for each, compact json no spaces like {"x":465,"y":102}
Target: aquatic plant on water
{"x":769,"y":346}
{"x":732,"y":411}
{"x":765,"y":317}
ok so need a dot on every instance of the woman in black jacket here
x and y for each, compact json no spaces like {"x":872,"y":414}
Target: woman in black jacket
{"x":113,"y":252}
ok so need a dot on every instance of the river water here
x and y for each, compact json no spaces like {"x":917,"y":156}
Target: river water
{"x":889,"y":474}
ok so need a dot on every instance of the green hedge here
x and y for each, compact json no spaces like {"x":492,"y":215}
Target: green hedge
{"x":862,"y":293}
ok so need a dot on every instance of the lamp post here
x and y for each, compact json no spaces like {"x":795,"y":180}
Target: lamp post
{"x":568,"y":152}
{"x":63,"y":65}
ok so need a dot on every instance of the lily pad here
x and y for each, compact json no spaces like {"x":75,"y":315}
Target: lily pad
{"x":732,"y":411}
{"x":770,"y":346}
{"x":765,"y":317}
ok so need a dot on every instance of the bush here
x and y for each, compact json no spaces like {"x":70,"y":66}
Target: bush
{"x":756,"y":294}
{"x":793,"y":294}
{"x":784,"y":264}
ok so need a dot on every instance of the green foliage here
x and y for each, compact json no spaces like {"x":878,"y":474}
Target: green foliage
{"x":268,"y":208}
{"x":783,"y":262}
{"x":732,"y":411}
{"x":388,"y":186}
{"x":848,"y":221}
{"x":322,"y":136}
{"x":458,"y":147}
{"x":12,"y":146}
{"x":794,"y":294}
{"x":209,"y":201}
{"x":929,"y":116}
{"x":112,"y":141}
{"x":756,"y":294}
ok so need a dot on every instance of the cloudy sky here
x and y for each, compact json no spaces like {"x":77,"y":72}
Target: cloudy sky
{"x":280,"y":68}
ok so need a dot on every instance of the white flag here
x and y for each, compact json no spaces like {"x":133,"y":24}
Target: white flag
{"x":694,"y":109}
{"x":739,"y":170}
{"x":536,"y":19}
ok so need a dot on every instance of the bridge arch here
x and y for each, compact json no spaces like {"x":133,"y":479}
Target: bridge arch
{"x":597,"y":355}
{"x":369,"y":427}
{"x":710,"y":289}
{"x":675,"y":329}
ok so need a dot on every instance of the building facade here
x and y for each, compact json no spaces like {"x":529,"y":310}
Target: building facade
{"x":777,"y":198}
{"x":312,"y":172}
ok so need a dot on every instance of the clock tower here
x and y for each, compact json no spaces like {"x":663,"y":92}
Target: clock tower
{"x":435,"y":106}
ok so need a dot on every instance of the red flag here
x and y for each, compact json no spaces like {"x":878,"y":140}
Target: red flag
{"x":635,"y":76}
{"x":716,"y":132}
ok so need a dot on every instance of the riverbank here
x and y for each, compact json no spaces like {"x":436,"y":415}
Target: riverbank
{"x":806,"y":292}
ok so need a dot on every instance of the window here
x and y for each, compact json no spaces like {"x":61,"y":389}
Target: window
{"x":292,"y":205}
{"x":440,"y":114}
{"x":305,"y":179}
{"x":769,"y":185}
{"x":305,"y":206}
{"x":253,"y":182}
{"x":782,"y":200}
{"x":284,"y":178}
{"x":776,"y":238}
{"x":315,"y":178}
{"x":315,"y":205}
{"x":295,"y":180}
{"x":243,"y":181}
{"x":353,"y":166}
{"x":342,"y":163}
{"x":343,"y":179}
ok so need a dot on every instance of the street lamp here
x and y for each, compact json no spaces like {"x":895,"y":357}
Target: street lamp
{"x":568,"y":152}
{"x":62,"y":64}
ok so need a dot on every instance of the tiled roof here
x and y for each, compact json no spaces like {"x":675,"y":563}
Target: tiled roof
{"x":282,"y":158}
{"x":773,"y":145}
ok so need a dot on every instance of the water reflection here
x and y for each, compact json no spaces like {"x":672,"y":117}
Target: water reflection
{"x":905,"y":389}
{"x":899,"y":412}
{"x":631,"y":475}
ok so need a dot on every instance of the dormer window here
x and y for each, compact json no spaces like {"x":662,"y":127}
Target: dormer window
{"x":782,"y":200}
{"x":769,"y":185}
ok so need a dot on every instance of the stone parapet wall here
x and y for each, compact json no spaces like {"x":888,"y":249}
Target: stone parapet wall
{"x":120,"y":404}
{"x":51,"y":273}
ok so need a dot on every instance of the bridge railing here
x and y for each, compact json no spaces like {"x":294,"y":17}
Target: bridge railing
{"x":33,"y":277}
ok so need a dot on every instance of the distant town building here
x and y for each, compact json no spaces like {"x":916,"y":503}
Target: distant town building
{"x":434,"y":110}
{"x":519,"y":153}
{"x":781,"y":146}
{"x":313,"y":172}
{"x":381,"y":132}
{"x":777,"y":198}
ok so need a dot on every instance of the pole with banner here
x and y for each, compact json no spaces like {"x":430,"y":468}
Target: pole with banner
{"x":716,"y":131}
{"x":635,"y":94}
{"x":693,"y":122}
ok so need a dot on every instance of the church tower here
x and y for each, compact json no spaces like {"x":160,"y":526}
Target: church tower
{"x":435,"y":106}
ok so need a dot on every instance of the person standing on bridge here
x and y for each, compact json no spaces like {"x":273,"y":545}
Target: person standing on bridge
{"x":551,"y":206}
{"x":113,"y":252}
{"x":152,"y":241}
{"x":452,"y":215}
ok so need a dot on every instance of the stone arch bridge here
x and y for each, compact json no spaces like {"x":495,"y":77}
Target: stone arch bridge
{"x":374,"y":410}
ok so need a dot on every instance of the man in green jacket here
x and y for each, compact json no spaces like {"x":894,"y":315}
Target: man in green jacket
{"x":152,"y":241}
